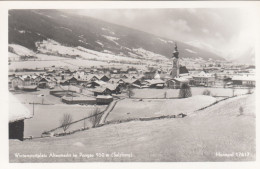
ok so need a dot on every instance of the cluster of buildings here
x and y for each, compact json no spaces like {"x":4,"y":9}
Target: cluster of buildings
{"x":108,"y":81}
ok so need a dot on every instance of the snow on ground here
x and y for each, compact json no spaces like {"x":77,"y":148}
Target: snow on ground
{"x":186,"y":139}
{"x":55,"y":48}
{"x":191,"y":51}
{"x":108,"y":30}
{"x":149,"y":55}
{"x":170,"y":93}
{"x":133,"y":108}
{"x":162,"y":40}
{"x":66,"y":29}
{"x":49,"y":57}
{"x":39,"y":13}
{"x":13,"y":56}
{"x":165,"y":41}
{"x":247,"y":102}
{"x":107,"y":51}
{"x":81,"y":41}
{"x":17,"y":111}
{"x":21,"y":50}
{"x":105,"y":56}
{"x":101,"y":44}
{"x":21,"y":31}
{"x":111,"y":38}
{"x":64,"y":16}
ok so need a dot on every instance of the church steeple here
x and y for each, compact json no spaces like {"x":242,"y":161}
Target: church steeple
{"x":176,"y":52}
{"x":175,"y":63}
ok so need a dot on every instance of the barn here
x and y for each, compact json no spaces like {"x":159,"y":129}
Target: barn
{"x":248,"y":81}
{"x":17,"y":114}
{"x":101,"y":99}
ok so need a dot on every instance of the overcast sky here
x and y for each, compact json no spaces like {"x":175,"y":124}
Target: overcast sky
{"x":227,"y":32}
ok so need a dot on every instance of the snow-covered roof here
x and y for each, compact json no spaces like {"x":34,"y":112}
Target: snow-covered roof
{"x":157,"y":76}
{"x":111,"y":86}
{"x":244,"y":78}
{"x":89,"y":77}
{"x":17,"y":111}
{"x":181,"y":79}
{"x":100,"y":82}
{"x":103,"y":97}
{"x":155,"y":81}
{"x":203,"y":74}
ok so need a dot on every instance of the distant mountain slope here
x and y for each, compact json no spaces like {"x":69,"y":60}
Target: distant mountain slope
{"x":26,"y":27}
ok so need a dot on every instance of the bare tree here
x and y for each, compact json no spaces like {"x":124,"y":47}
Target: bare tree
{"x":233,"y":91}
{"x":206,"y":92}
{"x":66,"y":121}
{"x":95,"y":117}
{"x":185,"y":91}
{"x":241,"y":110}
{"x":129,"y":92}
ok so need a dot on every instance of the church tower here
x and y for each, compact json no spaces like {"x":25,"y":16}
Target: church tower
{"x":175,"y":63}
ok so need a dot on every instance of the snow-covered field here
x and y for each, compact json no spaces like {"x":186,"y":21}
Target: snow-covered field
{"x":145,"y":54}
{"x":134,"y":108}
{"x":21,"y":50}
{"x":170,"y":93}
{"x":53,"y":53}
{"x":47,"y":116}
{"x":189,"y":139}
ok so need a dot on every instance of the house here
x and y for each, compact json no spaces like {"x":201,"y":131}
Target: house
{"x":155,"y":83}
{"x":28,"y":88}
{"x":114,"y":88}
{"x":149,"y":74}
{"x":22,"y":81}
{"x":96,"y":83}
{"x":93,"y":78}
{"x":101,"y":90}
{"x":46,"y":82}
{"x":124,"y":71}
{"x":36,"y":79}
{"x":104,"y":78}
{"x":17,"y":114}
{"x":16,"y":81}
{"x":204,"y":79}
{"x":132,"y":83}
{"x":124,"y":76}
{"x":79,"y":100}
{"x":70,"y":81}
{"x":248,"y":81}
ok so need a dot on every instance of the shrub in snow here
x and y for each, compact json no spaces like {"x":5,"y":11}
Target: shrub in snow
{"x":95,"y":117}
{"x":241,"y":110}
{"x":206,"y":92}
{"x":165,"y":95}
{"x":185,"y":91}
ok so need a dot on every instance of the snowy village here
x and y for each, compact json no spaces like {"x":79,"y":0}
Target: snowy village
{"x":82,"y":100}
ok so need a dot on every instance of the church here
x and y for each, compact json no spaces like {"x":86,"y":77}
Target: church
{"x":176,"y":81}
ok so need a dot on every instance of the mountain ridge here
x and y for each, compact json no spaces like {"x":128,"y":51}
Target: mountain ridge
{"x":26,"y":27}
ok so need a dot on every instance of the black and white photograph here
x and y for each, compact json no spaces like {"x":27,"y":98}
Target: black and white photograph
{"x":131,"y":84}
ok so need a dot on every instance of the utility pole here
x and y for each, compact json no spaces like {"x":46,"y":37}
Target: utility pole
{"x":33,"y":108}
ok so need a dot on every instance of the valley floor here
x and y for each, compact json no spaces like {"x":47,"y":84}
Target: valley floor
{"x":218,"y":133}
